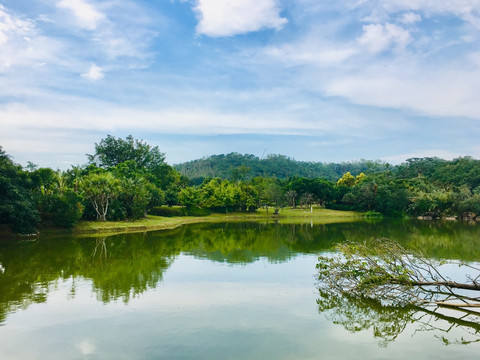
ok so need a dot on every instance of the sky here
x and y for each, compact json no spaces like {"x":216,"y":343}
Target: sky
{"x":316,"y":80}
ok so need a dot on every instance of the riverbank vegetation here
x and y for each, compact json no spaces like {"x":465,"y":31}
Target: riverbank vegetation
{"x":127,"y":179}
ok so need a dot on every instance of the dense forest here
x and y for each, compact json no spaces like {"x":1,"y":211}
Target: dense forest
{"x":125,"y":179}
{"x":236,"y":166}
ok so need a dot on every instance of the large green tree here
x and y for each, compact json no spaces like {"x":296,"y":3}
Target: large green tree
{"x":140,"y":158}
{"x":111,"y":151}
{"x":17,"y":204}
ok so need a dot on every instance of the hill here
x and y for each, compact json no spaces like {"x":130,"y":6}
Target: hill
{"x":238,"y":166}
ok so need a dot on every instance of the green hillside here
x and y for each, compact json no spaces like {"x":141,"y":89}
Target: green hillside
{"x":238,"y":166}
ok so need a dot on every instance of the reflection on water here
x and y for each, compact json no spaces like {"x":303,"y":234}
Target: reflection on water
{"x":127,"y":267}
{"x":451,"y":326}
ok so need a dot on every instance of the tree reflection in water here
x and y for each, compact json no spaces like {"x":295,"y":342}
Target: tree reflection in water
{"x":355,"y":314}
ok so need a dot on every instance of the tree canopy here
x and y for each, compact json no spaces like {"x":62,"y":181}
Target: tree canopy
{"x":111,"y":151}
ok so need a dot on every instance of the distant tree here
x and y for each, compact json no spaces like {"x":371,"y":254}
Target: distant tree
{"x":249,"y":198}
{"x":363,"y":196}
{"x":323,"y":191}
{"x":273,"y":195}
{"x":279,"y":166}
{"x":347,"y":180}
{"x":307,"y":199}
{"x":291,"y":196}
{"x":239,"y":173}
{"x":189,"y":197}
{"x":360,"y":177}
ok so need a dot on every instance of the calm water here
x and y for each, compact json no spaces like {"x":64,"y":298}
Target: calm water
{"x":221,"y":291}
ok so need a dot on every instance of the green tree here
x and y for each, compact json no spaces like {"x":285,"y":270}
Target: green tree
{"x":347,"y":180}
{"x":189,"y":197}
{"x":100,"y":189}
{"x":135,"y":196}
{"x":17,"y":204}
{"x":360,"y":177}
{"x":111,"y":152}
{"x":291,"y":197}
{"x":139,"y":157}
{"x":240,"y":173}
{"x":65,"y":208}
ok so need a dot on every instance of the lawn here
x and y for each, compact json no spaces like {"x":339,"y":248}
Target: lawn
{"x":286,"y":216}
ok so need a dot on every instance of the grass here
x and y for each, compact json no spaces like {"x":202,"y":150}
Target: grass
{"x":286,"y":216}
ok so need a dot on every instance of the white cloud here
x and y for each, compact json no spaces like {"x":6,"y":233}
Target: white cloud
{"x":467,"y":10}
{"x":227,"y":18}
{"x":311,"y":52}
{"x":21,"y":44}
{"x":410,"y":18}
{"x":12,"y":27}
{"x":377,"y":37}
{"x":432,"y":92}
{"x":114,"y":29}
{"x":94,"y":73}
{"x":87,"y":15}
{"x":83,"y":115}
{"x":32,"y":54}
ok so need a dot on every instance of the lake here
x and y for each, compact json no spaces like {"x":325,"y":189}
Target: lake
{"x":218,"y":291}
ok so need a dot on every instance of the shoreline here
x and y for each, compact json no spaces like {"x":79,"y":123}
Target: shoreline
{"x":155,"y":223}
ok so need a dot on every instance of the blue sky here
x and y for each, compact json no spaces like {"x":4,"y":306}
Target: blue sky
{"x":315,"y":80}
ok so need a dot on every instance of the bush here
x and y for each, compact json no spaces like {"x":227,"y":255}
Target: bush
{"x":373,"y":214}
{"x":62,"y":210}
{"x":67,"y":209}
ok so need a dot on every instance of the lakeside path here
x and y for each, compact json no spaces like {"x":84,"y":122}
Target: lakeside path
{"x":151,"y":223}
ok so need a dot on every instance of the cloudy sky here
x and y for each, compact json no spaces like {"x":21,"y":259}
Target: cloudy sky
{"x":320,"y":80}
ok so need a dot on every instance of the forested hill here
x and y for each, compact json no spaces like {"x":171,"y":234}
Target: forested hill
{"x":238,"y":166}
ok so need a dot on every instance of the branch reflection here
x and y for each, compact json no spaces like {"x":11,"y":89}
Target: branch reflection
{"x":355,"y":314}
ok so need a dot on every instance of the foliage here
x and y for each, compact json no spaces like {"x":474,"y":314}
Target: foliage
{"x":142,"y":180}
{"x":372,"y":214}
{"x":321,"y":190}
{"x":100,"y":189}
{"x":189,"y":197}
{"x":347,"y":180}
{"x":111,"y":152}
{"x":222,"y":195}
{"x":17,"y":203}
{"x":63,"y":209}
{"x":131,"y":157}
{"x":234,"y":167}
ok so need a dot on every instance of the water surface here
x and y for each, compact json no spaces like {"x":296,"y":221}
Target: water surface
{"x":217,"y":291}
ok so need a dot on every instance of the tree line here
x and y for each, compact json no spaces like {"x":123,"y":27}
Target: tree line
{"x":126,"y":178}
{"x":235,"y":166}
{"x":122,"y":180}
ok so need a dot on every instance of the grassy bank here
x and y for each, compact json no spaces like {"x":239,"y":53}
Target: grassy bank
{"x":286,"y":216}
